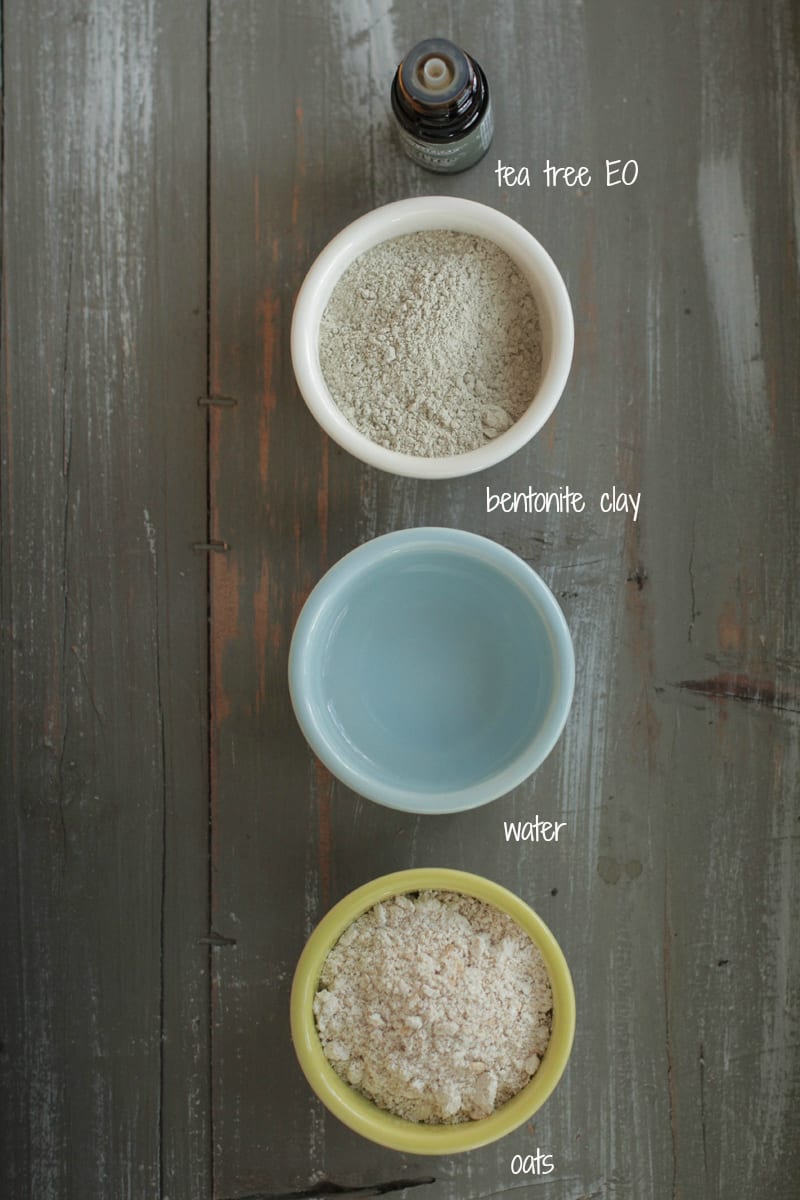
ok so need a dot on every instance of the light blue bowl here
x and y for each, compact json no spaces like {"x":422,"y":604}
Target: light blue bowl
{"x":431,"y":670}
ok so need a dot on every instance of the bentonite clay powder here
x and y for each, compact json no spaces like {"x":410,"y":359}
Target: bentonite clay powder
{"x":431,"y":344}
{"x":436,"y":1006}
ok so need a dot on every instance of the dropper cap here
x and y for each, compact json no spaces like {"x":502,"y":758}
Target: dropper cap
{"x":435,"y":73}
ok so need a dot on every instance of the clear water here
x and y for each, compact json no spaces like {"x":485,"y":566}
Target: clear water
{"x":436,"y":672}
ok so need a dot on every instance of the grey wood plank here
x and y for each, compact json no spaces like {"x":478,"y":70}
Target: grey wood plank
{"x":104,"y":767}
{"x":673,"y":896}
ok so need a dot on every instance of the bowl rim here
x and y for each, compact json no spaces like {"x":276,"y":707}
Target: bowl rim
{"x":418,"y":213}
{"x":355,"y":565}
{"x":359,"y":1113}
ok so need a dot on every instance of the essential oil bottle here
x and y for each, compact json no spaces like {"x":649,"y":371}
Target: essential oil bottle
{"x":440,"y":98}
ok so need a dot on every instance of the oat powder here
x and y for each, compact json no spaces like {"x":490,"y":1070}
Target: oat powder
{"x":435,"y":1006}
{"x":431,"y":343}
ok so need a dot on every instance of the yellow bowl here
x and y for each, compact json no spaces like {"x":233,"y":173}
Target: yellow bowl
{"x":360,"y":1114}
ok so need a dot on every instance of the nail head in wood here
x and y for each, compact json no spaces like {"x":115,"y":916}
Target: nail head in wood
{"x":217,"y":401}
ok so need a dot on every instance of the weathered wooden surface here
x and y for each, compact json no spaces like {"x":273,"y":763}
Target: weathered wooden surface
{"x":672,"y":895}
{"x":104,"y":682}
{"x":129,"y":1070}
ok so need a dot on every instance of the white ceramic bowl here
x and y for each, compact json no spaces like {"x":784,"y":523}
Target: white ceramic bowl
{"x":411,"y":216}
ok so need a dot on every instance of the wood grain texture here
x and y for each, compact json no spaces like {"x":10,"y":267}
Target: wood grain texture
{"x":104,"y":777}
{"x":148,"y":952}
{"x":673,"y":895}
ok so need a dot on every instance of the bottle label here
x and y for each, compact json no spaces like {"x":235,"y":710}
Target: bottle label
{"x":451,"y":156}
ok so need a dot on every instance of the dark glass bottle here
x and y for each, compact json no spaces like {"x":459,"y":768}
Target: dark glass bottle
{"x":440,"y":98}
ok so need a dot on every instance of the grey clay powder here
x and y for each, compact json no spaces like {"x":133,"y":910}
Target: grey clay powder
{"x":431,"y":343}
